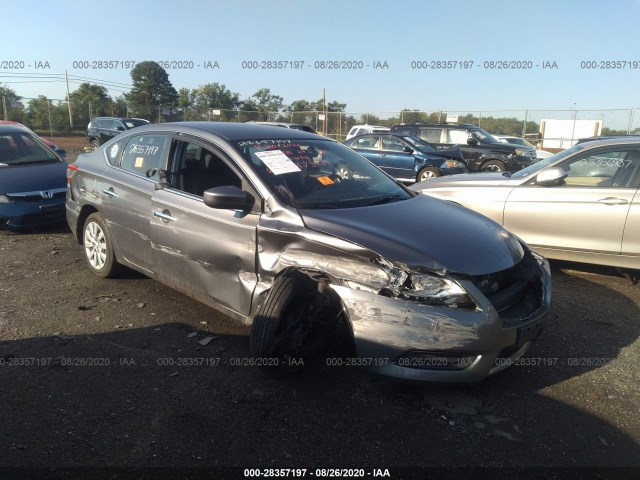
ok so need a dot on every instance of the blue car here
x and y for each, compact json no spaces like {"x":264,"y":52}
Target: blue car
{"x":33,"y":181}
{"x":408,"y":159}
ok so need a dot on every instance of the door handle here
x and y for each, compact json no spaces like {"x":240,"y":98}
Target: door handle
{"x":613,"y":201}
{"x":109,"y":192}
{"x":164,"y":215}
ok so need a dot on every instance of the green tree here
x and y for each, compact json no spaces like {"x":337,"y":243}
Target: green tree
{"x":264,"y":102}
{"x":43,"y":115}
{"x":152,"y":92}
{"x":89,"y":101}
{"x":214,"y":96}
{"x":11,"y":107}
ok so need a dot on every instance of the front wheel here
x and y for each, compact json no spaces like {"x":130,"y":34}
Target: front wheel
{"x":428,"y":173}
{"x":494,"y":166}
{"x":95,"y":143}
{"x":98,"y":248}
{"x":283,"y":331}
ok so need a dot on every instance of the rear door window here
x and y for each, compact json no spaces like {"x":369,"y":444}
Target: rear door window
{"x":144,"y":153}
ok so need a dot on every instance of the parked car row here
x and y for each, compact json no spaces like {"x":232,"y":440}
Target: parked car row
{"x":415,"y":152}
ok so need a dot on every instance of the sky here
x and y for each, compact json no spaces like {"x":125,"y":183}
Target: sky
{"x":41,"y":39}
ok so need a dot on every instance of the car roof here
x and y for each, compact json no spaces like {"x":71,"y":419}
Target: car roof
{"x":621,"y":140}
{"x":435,"y":124}
{"x":234,"y":131}
{"x":12,"y":128}
{"x":119,"y":118}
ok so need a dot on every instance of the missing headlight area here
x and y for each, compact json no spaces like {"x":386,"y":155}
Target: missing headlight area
{"x":516,"y":292}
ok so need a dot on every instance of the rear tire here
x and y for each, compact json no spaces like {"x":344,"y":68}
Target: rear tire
{"x":494,"y":166}
{"x":98,"y":248}
{"x":278,"y":329}
{"x":428,"y":173}
{"x":95,"y":143}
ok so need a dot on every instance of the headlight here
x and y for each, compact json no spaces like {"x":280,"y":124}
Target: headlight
{"x":452,"y":164}
{"x":523,"y":152}
{"x":426,"y":288}
{"x":5,"y":199}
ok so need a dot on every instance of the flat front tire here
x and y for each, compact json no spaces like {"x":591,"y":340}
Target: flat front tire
{"x":98,"y":248}
{"x":277,"y":319}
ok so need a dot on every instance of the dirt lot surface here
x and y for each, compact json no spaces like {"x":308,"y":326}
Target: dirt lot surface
{"x":74,"y":145}
{"x":115,"y":373}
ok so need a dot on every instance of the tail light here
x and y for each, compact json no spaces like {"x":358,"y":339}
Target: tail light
{"x":70,"y":168}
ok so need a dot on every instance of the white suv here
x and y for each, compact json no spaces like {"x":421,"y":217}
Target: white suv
{"x":362,"y":129}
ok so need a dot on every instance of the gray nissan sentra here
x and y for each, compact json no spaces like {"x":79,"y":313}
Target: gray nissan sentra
{"x":254,"y":221}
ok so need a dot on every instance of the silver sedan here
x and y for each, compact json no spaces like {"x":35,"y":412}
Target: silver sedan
{"x":581,"y":204}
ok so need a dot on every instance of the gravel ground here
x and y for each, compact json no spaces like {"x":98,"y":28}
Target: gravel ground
{"x":119,"y":373}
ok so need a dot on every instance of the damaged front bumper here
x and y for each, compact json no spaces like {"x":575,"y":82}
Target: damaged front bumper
{"x":409,"y":340}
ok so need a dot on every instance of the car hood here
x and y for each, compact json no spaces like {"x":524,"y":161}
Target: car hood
{"x":423,"y":232}
{"x":33,"y":177}
{"x":468,"y":180}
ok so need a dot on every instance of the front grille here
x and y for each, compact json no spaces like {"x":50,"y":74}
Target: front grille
{"x":515,"y":292}
{"x":34,"y":197}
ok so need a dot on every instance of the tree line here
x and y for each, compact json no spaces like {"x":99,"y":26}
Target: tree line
{"x":153,"y":97}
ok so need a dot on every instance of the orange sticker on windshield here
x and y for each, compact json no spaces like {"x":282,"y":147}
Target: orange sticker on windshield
{"x":325,"y":181}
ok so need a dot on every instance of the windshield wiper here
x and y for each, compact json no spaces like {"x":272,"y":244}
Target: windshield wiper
{"x":317,"y":205}
{"x":507,"y":174}
{"x":386,"y":199}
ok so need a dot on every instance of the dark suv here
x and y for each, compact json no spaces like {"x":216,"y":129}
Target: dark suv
{"x":481,"y":150}
{"x":103,"y":129}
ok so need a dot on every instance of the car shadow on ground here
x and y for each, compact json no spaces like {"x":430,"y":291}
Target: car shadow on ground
{"x":145,"y":385}
{"x":165,"y":396}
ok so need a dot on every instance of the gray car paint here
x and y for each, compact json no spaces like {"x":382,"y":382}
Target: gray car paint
{"x":229,"y":259}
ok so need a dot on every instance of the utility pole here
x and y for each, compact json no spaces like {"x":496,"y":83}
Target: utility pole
{"x":324,"y":108}
{"x":69,"y":99}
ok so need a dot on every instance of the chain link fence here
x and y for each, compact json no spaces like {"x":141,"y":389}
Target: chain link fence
{"x":53,"y":117}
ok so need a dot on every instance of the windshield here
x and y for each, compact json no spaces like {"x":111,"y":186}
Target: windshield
{"x":21,"y":148}
{"x":319,"y":174}
{"x":536,"y":167}
{"x":484,"y":136}
{"x":419,"y":143}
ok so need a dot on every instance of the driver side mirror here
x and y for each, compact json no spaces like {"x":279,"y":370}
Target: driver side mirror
{"x":408,"y":150}
{"x":551,"y":176}
{"x":471,"y":140}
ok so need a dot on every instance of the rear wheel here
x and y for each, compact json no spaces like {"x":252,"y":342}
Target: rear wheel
{"x":284,"y":332}
{"x":98,"y":248}
{"x":428,"y":173}
{"x":494,"y":166}
{"x":95,"y":143}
